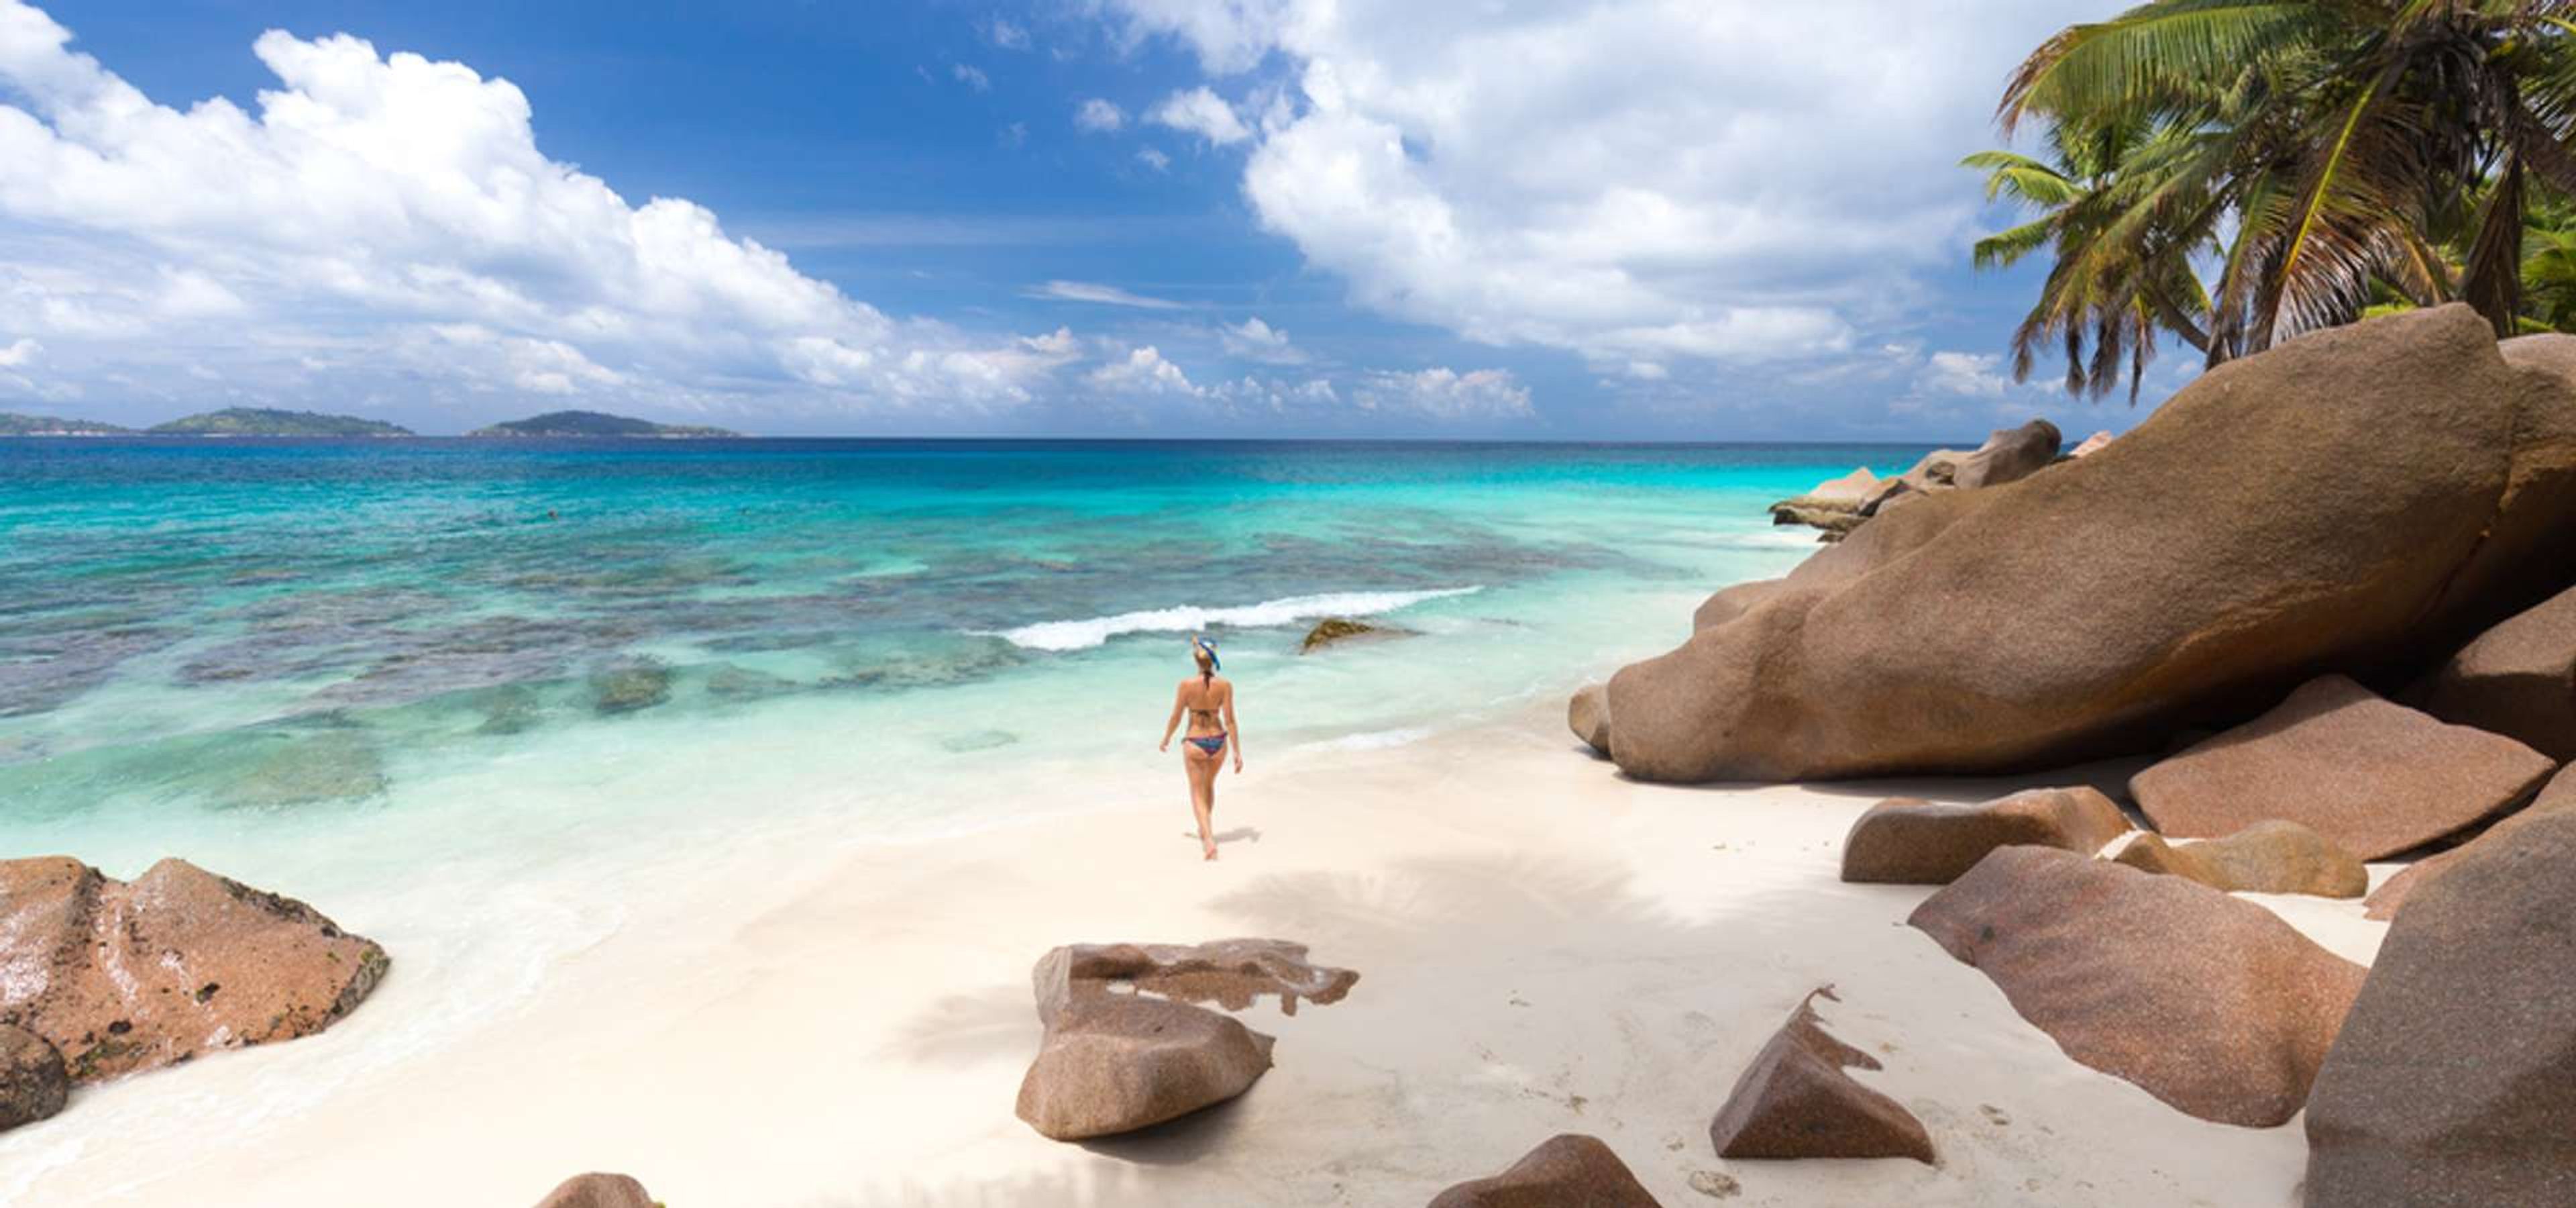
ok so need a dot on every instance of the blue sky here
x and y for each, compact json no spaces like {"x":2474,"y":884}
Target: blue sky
{"x":1628,"y":219}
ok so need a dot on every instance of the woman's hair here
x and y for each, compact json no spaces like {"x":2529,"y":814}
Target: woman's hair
{"x":1205,"y":660}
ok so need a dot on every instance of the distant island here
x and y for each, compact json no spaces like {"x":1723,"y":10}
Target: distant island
{"x":264,"y":421}
{"x":594,"y":423}
{"x":46,"y":425}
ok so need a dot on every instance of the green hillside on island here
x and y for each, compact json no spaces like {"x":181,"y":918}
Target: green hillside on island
{"x":594,"y":423}
{"x":267,"y":421}
{"x":45,"y":425}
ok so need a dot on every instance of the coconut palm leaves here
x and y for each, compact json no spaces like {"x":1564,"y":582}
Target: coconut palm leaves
{"x":2313,"y":156}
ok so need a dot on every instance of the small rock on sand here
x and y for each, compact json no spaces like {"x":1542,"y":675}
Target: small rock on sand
{"x":1569,"y":1170}
{"x":599,"y":1191}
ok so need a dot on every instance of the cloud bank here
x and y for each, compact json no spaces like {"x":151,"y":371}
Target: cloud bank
{"x":1640,"y":182}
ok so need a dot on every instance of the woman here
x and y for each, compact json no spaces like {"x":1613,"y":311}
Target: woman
{"x":1209,"y":700}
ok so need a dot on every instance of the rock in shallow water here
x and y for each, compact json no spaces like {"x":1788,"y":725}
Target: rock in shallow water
{"x":2375,"y":777}
{"x":2344,"y":499}
{"x":305,"y":769}
{"x":1569,"y":1170}
{"x":2209,"y":1002}
{"x":127,"y":977}
{"x":1795,"y":1101}
{"x":33,"y":1081}
{"x":630,"y":686}
{"x":1910,"y":841}
{"x":1334,"y":630}
{"x":2454,"y":1081}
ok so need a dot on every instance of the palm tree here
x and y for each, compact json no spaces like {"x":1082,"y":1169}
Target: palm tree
{"x":2326,"y":149}
{"x":2110,"y":286}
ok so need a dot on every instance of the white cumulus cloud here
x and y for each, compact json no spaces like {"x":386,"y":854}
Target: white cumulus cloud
{"x":394,"y":204}
{"x":1977,"y":375}
{"x":1254,"y":340}
{"x":1636,"y":181}
{"x":22,"y":352}
{"x":1144,"y":372}
{"x":1099,"y":117}
{"x":1446,"y":394}
{"x":1202,"y":112}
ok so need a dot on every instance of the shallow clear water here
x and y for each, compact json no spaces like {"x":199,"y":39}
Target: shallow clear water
{"x":468,"y":696}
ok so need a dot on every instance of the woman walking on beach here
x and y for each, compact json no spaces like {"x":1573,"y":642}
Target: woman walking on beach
{"x":1209,"y":700}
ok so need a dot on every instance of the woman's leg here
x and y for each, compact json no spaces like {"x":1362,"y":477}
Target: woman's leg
{"x":1202,"y":770}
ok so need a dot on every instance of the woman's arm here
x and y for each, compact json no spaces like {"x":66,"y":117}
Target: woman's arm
{"x":1233,"y":730}
{"x":1173,"y":722}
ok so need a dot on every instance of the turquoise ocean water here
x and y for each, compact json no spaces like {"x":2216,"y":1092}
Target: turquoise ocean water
{"x":463,"y":695}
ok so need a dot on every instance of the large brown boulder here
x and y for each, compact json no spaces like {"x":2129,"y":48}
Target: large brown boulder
{"x":1124,"y":1047}
{"x":2267,"y":857}
{"x":125,"y":977}
{"x":2211,"y":1003}
{"x":1125,"y":1062}
{"x":598,"y":1191}
{"x":2454,"y":1081}
{"x":1569,"y":1170}
{"x":2517,"y":679}
{"x":2009,"y":455}
{"x":2374,"y":776}
{"x":1795,"y":1101}
{"x":1910,"y":841}
{"x":2559,"y":794}
{"x":33,"y":1082}
{"x":2343,"y":500}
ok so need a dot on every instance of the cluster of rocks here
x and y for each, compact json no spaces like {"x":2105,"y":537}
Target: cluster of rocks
{"x":2326,"y":591}
{"x":101,"y":978}
{"x":1793,"y":1101}
{"x":1839,"y":505}
{"x":1127,"y":1048}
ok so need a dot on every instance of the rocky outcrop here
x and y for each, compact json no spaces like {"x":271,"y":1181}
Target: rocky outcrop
{"x":2009,"y":455}
{"x":2341,"y":501}
{"x":1569,"y":1170}
{"x":1122,"y":1063}
{"x":126,"y":977}
{"x":2454,"y":1081}
{"x":2559,"y":794}
{"x":599,"y":1191}
{"x":2517,"y":679}
{"x":1795,"y":1101}
{"x":2209,"y":1002}
{"x":1124,"y":1048}
{"x":1231,"y":973}
{"x":1588,"y":715}
{"x":2267,"y":857}
{"x":33,"y":1082}
{"x":1833,"y":505}
{"x":1910,"y":841}
{"x":2092,"y":444}
{"x":2375,"y":777}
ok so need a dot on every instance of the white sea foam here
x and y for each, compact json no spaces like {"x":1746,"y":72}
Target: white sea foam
{"x":1084,"y":634}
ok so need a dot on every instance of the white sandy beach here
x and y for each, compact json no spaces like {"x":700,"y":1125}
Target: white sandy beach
{"x":1544,"y":948}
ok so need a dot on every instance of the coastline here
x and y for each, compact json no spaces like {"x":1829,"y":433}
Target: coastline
{"x":1543,"y":947}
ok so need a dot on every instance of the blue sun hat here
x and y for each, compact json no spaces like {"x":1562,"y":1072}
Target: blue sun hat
{"x":1214,"y":663}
